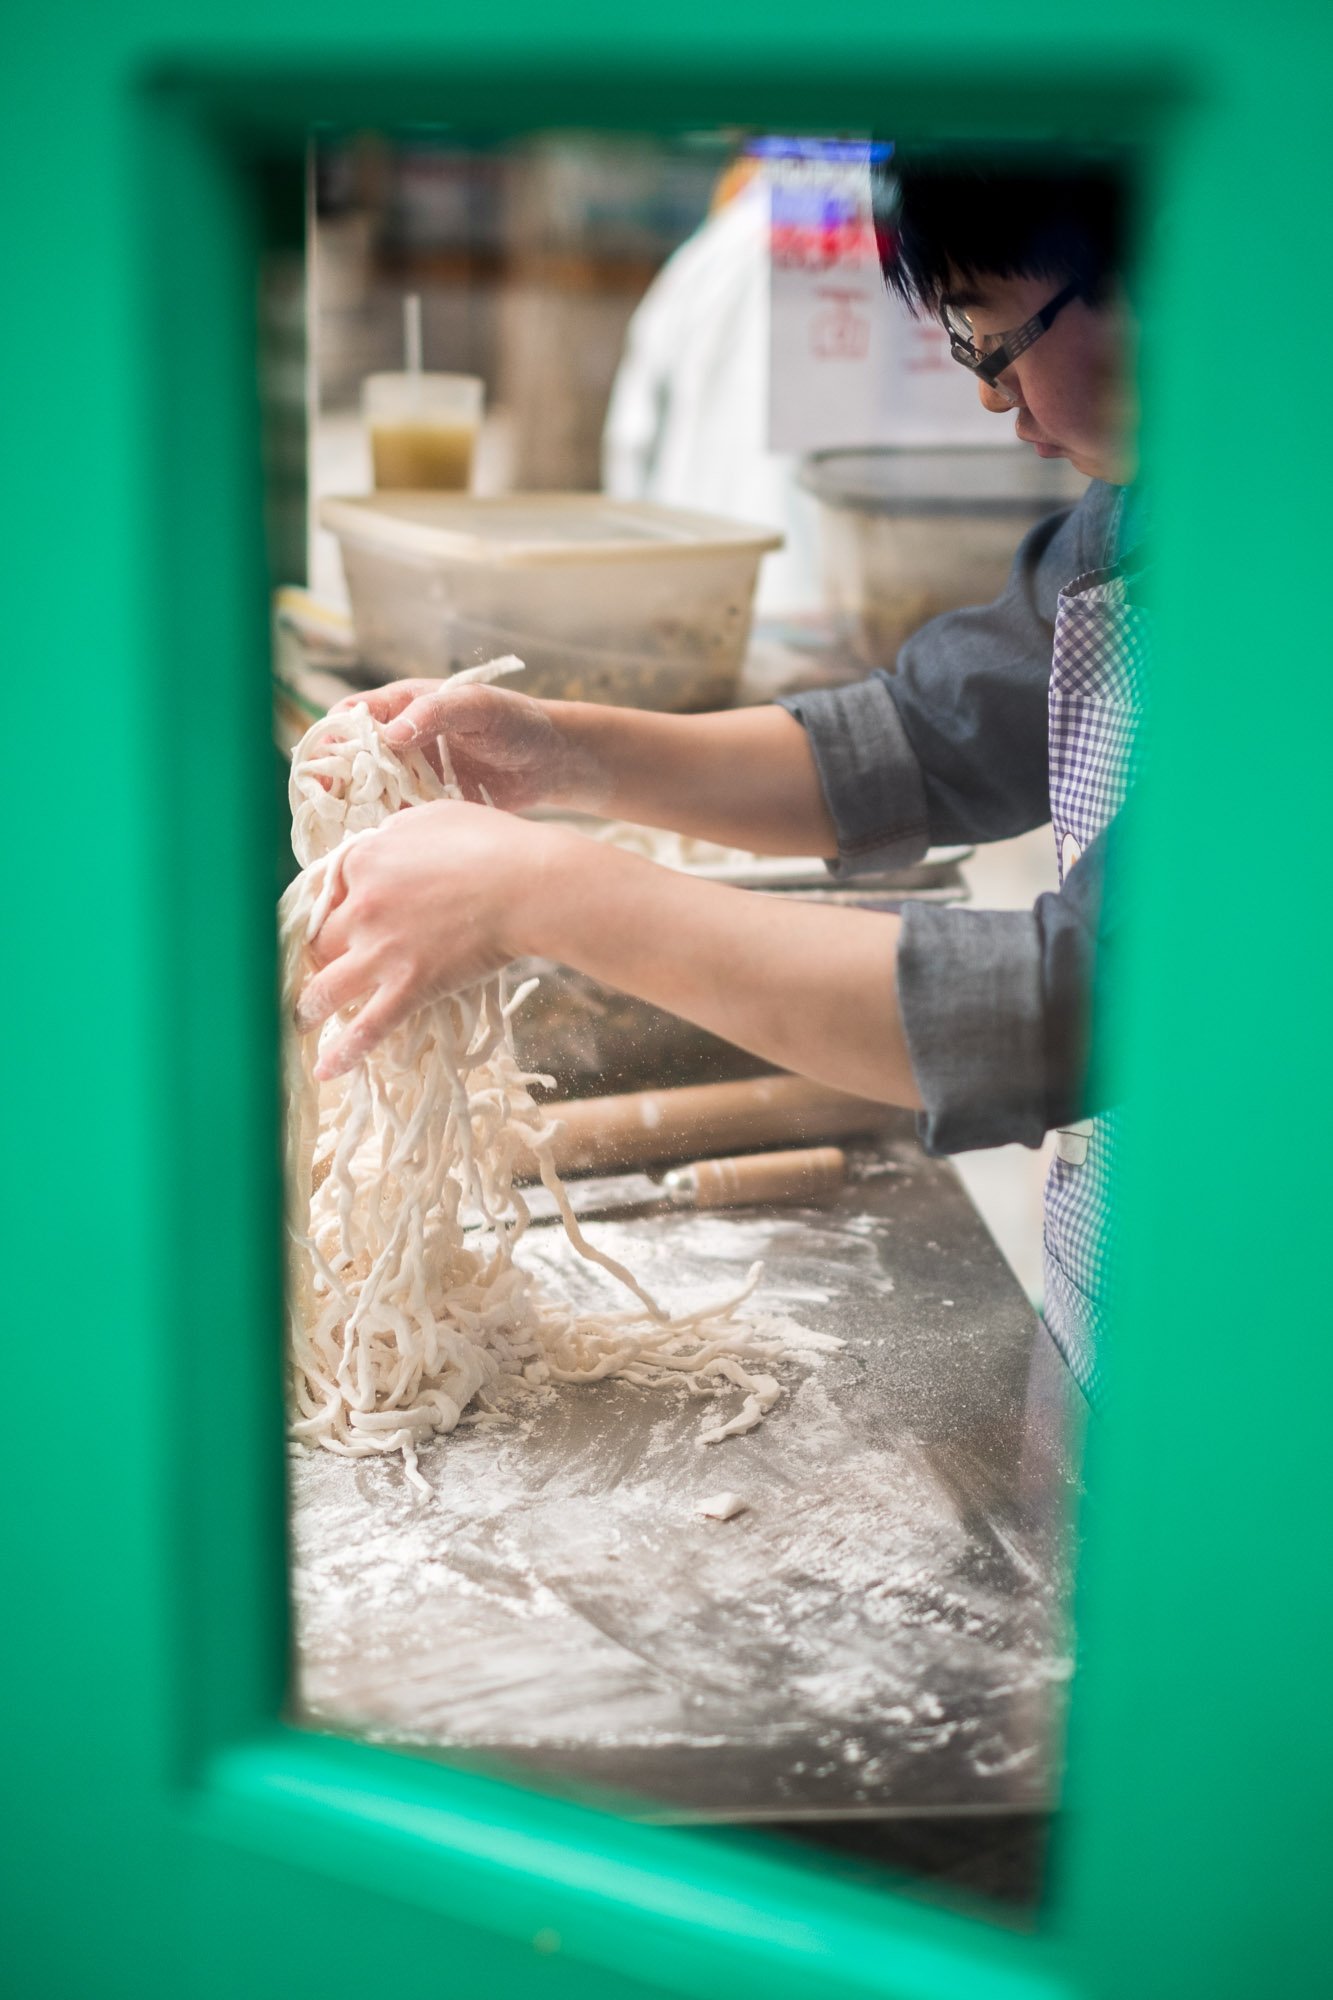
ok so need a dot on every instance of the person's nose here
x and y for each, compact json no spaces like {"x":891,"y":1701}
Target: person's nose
{"x":995,"y":397}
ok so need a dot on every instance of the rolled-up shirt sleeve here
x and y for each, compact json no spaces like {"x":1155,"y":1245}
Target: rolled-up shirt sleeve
{"x":996,"y":1006}
{"x":870,"y":775}
{"x":951,"y":746}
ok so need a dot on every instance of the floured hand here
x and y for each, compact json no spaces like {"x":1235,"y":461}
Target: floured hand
{"x":429,"y":903}
{"x":504,"y":746}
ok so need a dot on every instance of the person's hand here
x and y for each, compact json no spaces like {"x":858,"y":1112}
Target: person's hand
{"x":503,"y":746}
{"x":431,"y":903}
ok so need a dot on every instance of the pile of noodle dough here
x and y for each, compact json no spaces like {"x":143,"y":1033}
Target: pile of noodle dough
{"x":405,"y":1302}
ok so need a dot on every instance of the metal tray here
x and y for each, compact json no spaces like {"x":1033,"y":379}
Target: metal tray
{"x":880,"y":1633}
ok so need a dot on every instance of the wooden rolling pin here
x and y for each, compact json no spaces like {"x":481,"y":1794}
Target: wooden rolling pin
{"x":649,"y":1126}
{"x":810,"y":1174}
{"x":805,"y":1176}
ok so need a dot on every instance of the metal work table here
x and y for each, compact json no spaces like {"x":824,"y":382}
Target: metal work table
{"x":882,"y":1632}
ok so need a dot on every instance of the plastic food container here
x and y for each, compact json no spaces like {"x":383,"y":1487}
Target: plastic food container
{"x":906,"y":534}
{"x":615,"y":601}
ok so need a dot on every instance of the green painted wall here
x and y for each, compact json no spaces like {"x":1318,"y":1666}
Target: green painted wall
{"x":162,"y":1833}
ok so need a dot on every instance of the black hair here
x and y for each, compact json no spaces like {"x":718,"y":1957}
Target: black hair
{"x":942,"y":216}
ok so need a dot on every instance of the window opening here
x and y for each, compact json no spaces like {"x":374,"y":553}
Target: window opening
{"x":643,"y":415}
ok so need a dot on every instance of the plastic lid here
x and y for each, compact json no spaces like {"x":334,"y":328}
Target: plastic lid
{"x":944,"y":479}
{"x":525,"y":528}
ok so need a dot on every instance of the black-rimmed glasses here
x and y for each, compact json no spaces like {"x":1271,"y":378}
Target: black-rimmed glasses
{"x":989,"y":364}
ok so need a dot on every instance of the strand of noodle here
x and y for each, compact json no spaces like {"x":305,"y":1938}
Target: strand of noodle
{"x":399,"y":1324}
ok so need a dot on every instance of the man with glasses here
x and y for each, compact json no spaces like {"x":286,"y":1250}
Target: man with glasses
{"x":994,"y":721}
{"x":1027,"y":709}
{"x":1024,"y":267}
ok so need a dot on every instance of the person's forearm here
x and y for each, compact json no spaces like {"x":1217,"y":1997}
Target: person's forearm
{"x":744,"y":777}
{"x":806,"y":986}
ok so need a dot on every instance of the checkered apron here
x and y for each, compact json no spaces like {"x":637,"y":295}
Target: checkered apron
{"x":1098,"y":674}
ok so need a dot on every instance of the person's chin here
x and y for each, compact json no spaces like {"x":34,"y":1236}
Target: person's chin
{"x":1113,"y":471}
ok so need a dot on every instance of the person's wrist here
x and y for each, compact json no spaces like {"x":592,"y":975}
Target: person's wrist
{"x":582,"y":778}
{"x":543,"y":864}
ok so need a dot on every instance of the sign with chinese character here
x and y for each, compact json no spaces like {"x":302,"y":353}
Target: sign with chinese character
{"x":848,"y":364}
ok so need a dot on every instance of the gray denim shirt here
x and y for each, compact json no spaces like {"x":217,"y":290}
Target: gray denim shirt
{"x":951,"y":747}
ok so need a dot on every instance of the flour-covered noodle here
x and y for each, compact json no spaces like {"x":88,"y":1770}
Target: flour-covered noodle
{"x":406,"y":1305}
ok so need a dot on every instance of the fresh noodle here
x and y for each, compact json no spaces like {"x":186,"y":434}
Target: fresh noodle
{"x":406,"y":1306}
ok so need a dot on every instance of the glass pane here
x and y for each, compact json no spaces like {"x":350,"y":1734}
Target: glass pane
{"x":735,"y":1494}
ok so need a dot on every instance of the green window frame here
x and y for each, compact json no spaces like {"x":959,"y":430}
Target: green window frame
{"x":166,"y":1832}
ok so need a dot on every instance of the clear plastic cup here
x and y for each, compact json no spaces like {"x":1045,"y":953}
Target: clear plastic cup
{"x":423,"y":430}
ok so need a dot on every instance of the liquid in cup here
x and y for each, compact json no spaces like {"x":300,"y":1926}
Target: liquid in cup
{"x":423,"y":430}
